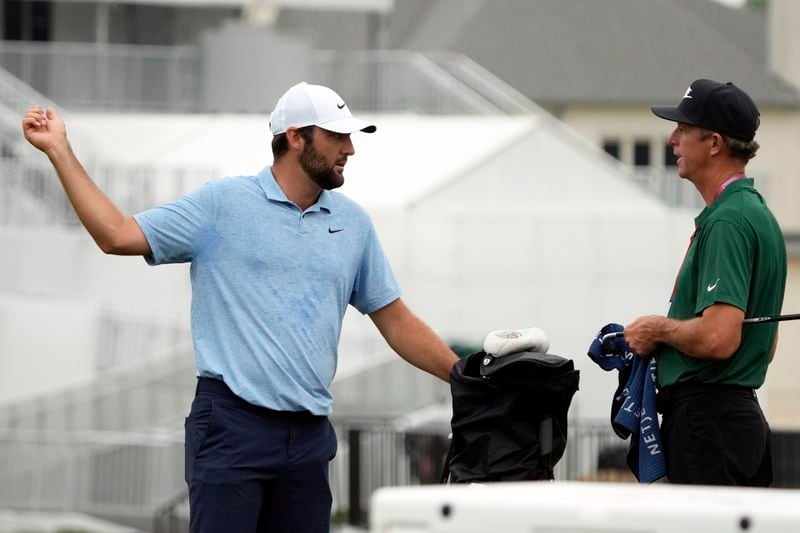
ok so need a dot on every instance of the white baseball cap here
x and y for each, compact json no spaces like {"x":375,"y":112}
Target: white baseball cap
{"x":314,"y":105}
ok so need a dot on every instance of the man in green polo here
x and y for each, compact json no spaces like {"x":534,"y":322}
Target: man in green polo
{"x":708,"y":362}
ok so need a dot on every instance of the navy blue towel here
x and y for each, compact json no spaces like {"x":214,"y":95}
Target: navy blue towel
{"x":633,"y":408}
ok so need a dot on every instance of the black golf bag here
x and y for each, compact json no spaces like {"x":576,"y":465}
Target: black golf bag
{"x":509,"y":416}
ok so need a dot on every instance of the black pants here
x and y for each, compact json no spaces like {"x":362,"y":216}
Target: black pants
{"x":251,"y":469}
{"x":715,"y":435}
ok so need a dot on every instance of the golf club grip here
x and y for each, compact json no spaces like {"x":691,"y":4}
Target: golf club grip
{"x":611,"y":335}
{"x":778,"y":318}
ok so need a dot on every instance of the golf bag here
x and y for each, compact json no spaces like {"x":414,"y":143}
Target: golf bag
{"x":509,"y":416}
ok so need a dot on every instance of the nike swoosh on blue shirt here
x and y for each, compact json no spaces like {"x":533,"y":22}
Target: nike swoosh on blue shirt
{"x":331,"y":230}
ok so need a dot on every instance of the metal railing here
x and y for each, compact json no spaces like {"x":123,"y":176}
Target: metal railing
{"x":15,"y":92}
{"x":16,"y":95}
{"x":665,"y":184}
{"x":107,"y":76}
{"x":674,"y":191}
{"x":125,"y":337}
{"x":88,"y":76}
{"x":101,"y":473}
{"x":129,"y":475}
{"x":147,"y":393}
{"x":140,"y":475}
{"x":398,"y":81}
{"x":146,"y":378}
{"x":159,"y":78}
{"x":491,"y":88}
{"x":385,"y":456}
{"x":31,"y":193}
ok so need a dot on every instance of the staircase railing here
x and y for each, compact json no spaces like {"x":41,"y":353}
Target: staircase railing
{"x":30,"y":192}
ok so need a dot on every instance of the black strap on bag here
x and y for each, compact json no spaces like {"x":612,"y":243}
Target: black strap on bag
{"x":509,"y":416}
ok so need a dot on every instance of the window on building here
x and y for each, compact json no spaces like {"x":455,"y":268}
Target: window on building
{"x":641,"y":153}
{"x":611,"y":147}
{"x":669,"y":158}
{"x":26,"y":20}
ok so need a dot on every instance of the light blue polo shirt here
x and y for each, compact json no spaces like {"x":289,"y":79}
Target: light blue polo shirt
{"x":270,"y":284}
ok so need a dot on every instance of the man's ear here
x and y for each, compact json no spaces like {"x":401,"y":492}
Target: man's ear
{"x":717,"y":142}
{"x":295,"y":139}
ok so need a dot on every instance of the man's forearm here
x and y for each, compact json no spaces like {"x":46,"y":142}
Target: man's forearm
{"x":714,"y":335}
{"x":112,"y":231}
{"x":101,"y":218}
{"x":427,"y":351}
{"x":413,"y":340}
{"x":688,"y":337}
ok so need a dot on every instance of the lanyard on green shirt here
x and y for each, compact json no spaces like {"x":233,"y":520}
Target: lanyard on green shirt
{"x":720,"y":189}
{"x":735,"y":177}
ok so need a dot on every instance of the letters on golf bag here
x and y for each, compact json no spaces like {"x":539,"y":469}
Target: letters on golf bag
{"x":509,"y":416}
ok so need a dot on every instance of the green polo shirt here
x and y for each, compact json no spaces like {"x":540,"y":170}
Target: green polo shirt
{"x":737,"y":257}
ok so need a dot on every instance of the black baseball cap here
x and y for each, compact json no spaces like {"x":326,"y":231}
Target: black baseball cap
{"x":716,"y":106}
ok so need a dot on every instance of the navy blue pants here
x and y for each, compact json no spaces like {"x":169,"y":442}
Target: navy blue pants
{"x":251,"y":469}
{"x":715,"y":435}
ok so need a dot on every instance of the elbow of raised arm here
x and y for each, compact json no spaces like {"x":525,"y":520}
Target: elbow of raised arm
{"x":107,"y":237}
{"x":107,"y":245}
{"x":120,"y":238}
{"x":112,"y":243}
{"x":117,"y":245}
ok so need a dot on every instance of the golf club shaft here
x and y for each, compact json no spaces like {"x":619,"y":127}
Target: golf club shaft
{"x":754,"y":320}
{"x":776,"y":318}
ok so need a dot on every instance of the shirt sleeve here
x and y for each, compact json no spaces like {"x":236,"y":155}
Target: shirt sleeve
{"x":176,"y":230}
{"x":375,"y":284}
{"x":725,"y":267}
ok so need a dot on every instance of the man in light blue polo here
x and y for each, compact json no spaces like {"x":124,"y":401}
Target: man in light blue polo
{"x":275,"y":260}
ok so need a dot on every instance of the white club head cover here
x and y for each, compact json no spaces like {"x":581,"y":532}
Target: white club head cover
{"x":506,"y":341}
